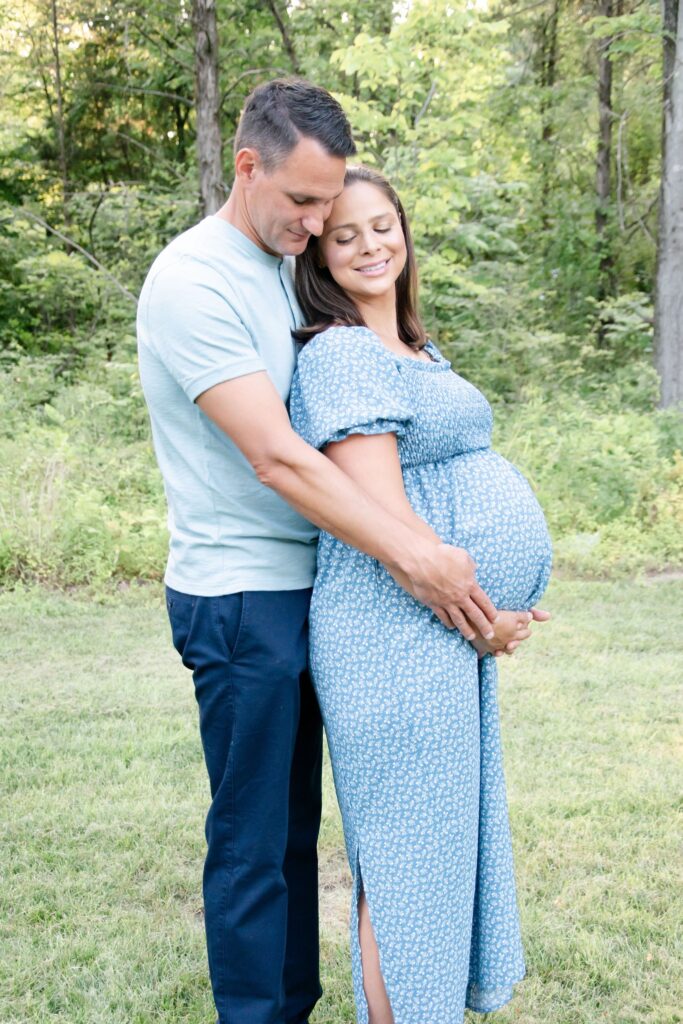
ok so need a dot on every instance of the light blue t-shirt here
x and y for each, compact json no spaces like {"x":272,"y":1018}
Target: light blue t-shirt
{"x":214,"y":307}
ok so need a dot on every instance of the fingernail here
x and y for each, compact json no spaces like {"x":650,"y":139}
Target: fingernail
{"x":489,"y":636}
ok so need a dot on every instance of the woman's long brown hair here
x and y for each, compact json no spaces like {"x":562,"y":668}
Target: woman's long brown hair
{"x":324,"y":303}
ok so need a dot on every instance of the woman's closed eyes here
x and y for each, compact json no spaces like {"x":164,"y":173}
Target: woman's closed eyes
{"x":345,"y":241}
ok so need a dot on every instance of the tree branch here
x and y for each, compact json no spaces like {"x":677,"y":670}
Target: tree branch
{"x":151,"y":152}
{"x":423,"y":109}
{"x":286,"y":38}
{"x":639,"y":222}
{"x":145,"y":92}
{"x":246,"y":74}
{"x":84,"y":252}
{"x":167,"y":50}
{"x":522,"y":10}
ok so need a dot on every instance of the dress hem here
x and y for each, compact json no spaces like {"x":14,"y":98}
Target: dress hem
{"x":501,"y":1003}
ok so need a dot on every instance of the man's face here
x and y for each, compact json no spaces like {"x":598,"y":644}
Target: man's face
{"x":283,"y":208}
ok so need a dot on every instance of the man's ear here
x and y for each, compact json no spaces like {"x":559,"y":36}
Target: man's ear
{"x":247,"y":162}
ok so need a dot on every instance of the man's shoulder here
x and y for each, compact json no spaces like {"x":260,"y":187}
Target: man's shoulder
{"x":195,"y":258}
{"x":195,"y":246}
{"x":208,"y":251}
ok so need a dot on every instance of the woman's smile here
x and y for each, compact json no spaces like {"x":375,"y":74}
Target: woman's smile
{"x":374,"y":269}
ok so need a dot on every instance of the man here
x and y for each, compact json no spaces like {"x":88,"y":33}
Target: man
{"x":216,"y":361}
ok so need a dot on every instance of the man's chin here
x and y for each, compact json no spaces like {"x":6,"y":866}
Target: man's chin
{"x":295,"y":245}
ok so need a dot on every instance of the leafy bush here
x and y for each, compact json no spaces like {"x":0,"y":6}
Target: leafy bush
{"x":80,"y":495}
{"x":610,"y":480}
{"x":81,"y":499}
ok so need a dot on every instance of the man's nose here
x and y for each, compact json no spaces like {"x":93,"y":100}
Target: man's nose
{"x":313,"y":222}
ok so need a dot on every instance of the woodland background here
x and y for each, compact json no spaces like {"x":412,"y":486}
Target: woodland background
{"x":528,"y":140}
{"x":538,"y":145}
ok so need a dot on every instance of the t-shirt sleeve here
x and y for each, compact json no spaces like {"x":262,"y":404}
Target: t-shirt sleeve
{"x":195,"y":331}
{"x":347,"y":383}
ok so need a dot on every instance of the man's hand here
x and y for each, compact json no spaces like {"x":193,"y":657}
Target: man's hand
{"x":444,"y":579}
{"x":510,"y":629}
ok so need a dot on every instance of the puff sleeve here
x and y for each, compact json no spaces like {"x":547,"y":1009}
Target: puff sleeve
{"x":346,"y":382}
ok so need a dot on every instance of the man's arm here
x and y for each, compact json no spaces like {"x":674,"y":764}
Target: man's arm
{"x":250,"y":411}
{"x":373,"y":463}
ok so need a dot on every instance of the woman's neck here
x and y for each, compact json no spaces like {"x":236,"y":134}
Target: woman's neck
{"x":380,"y":317}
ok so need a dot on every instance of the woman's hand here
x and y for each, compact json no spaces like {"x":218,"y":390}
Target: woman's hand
{"x":510,"y":629}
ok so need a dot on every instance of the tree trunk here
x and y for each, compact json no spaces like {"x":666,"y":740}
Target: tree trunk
{"x":61,"y":132}
{"x":180,"y":122}
{"x":603,"y":178}
{"x":669,"y":276}
{"x":547,"y":77}
{"x":212,"y":192}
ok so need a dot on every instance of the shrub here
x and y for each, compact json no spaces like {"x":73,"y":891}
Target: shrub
{"x":610,"y":481}
{"x":73,"y":514}
{"x":81,"y":497}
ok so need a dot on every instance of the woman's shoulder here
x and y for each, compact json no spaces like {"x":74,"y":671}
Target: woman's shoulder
{"x":343,"y":342}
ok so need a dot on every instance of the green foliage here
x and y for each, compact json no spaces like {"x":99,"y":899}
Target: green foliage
{"x":56,"y":292}
{"x":636,"y":33}
{"x":80,"y":496}
{"x":610,"y":480}
{"x":488,"y":133}
{"x":66,"y":518}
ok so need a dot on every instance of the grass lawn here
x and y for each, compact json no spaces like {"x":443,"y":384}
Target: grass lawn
{"x":104,"y":796}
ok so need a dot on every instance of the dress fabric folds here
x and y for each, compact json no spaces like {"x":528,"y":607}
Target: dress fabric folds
{"x":410,"y":712}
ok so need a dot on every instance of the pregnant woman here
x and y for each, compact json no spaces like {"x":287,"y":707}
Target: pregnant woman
{"x":409,"y":706}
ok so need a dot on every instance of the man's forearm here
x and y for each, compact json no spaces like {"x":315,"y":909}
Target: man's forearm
{"x":438,"y":575}
{"x":326,"y":496}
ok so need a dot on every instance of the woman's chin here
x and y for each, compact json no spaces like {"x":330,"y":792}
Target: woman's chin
{"x":372,"y":287}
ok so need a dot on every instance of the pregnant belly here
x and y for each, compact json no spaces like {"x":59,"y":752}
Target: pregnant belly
{"x":480,"y":502}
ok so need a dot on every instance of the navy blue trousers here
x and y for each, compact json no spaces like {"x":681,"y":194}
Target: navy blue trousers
{"x":262,"y":737}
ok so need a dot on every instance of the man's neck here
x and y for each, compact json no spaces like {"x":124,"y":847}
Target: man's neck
{"x":229,"y":212}
{"x":234,"y":212}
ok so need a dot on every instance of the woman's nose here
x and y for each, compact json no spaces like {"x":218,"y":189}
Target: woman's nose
{"x":369,"y":243}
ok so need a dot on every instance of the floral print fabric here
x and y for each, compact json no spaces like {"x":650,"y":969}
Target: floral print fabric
{"x":411,"y":714}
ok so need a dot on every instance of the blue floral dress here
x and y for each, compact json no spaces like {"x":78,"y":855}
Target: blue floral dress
{"x":410,"y":713}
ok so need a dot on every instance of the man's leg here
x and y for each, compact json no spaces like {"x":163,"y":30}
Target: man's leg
{"x":302,"y":985}
{"x":247,"y":653}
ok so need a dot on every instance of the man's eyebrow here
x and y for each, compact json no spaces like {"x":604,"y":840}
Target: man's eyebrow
{"x":301,"y":198}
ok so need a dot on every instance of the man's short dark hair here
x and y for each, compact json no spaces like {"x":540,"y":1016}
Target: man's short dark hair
{"x":279,"y":113}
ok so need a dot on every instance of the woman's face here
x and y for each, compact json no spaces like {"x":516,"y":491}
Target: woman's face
{"x":362,"y":243}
